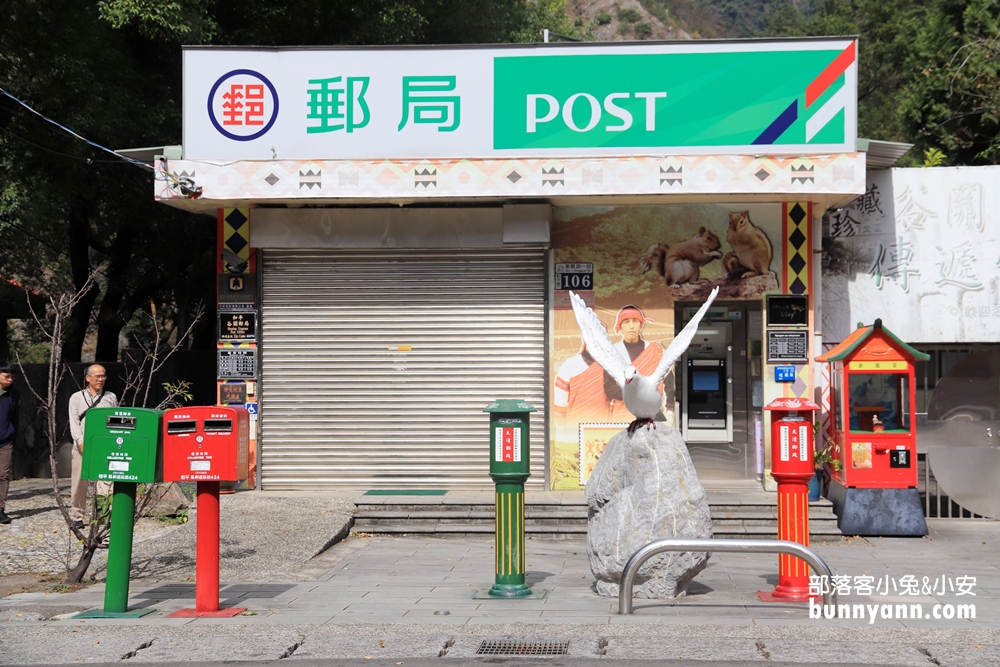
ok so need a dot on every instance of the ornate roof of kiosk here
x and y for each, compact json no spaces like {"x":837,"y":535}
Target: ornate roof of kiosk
{"x":858,"y":338}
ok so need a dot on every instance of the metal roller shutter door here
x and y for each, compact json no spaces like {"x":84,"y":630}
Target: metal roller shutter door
{"x":343,"y":404}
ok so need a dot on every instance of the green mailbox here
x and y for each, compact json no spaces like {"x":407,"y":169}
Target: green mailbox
{"x":509,"y":468}
{"x":509,"y":440}
{"x":123,"y":445}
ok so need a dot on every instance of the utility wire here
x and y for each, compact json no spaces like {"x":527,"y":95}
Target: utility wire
{"x":184,"y":186}
{"x":87,"y":160}
{"x":74,"y":134}
{"x":17,"y":228}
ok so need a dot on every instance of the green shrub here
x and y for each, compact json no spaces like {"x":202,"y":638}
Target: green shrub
{"x":643,"y":30}
{"x":602,"y":19}
{"x":629,"y":14}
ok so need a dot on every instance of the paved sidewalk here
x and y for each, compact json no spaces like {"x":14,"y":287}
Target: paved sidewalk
{"x":408,"y":596}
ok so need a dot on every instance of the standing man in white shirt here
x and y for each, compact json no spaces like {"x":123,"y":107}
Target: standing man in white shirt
{"x":91,"y":396}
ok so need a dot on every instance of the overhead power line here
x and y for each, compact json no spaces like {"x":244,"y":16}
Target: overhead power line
{"x":74,"y":134}
{"x":181,"y":185}
{"x":87,"y":160}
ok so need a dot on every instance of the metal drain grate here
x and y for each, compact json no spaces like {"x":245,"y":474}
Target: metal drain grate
{"x":491,"y":647}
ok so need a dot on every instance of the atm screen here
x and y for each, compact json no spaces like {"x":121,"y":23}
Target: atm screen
{"x":705,"y":380}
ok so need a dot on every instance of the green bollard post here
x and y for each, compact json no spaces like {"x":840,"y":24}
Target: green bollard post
{"x":510,"y":542}
{"x":120,"y":548}
{"x":122,"y":446}
{"x":509,"y":469}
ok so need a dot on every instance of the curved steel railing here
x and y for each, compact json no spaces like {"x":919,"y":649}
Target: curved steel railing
{"x":721,"y":546}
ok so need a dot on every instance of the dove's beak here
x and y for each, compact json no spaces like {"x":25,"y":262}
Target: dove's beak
{"x":628,"y":381}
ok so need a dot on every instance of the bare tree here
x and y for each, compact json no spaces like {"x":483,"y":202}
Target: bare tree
{"x":138,"y":384}
{"x":53,"y":328}
{"x":155,"y":353}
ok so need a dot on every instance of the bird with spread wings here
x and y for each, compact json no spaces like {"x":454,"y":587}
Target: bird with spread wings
{"x":641,"y":392}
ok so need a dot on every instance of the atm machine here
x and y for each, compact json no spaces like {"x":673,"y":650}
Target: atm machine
{"x":707,"y":405}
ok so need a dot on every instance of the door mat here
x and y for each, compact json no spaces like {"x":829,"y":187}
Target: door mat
{"x":405,"y":492}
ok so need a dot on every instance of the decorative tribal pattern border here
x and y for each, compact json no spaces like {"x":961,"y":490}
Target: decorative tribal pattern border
{"x":542,"y":177}
{"x":797,"y":271}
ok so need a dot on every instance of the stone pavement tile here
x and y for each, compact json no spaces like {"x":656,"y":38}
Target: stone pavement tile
{"x":502,"y":616}
{"x":931,"y":623}
{"x":389,"y":591}
{"x":275,"y":587}
{"x":278,"y":617}
{"x":594,"y":606}
{"x":799,"y":622}
{"x":376,"y":614}
{"x":581,"y":615}
{"x":236,"y":642}
{"x":803,"y":621}
{"x":563,"y":620}
{"x":653,"y":619}
{"x":385,"y":642}
{"x":438,"y":615}
{"x":261,"y":595}
{"x":859,"y":652}
{"x":463,"y":605}
{"x":971,"y":655}
{"x":157,"y":618}
{"x":317,"y":602}
{"x":674,"y":648}
{"x":378,"y":618}
{"x":456,"y":620}
{"x":79,"y":644}
{"x":150,"y":619}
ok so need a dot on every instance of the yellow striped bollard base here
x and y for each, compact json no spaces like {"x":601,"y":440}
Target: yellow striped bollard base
{"x":510,"y":542}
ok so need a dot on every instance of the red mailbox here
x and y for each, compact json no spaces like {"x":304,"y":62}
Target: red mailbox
{"x":206,"y":444}
{"x":792,"y":468}
{"x":873,"y":416}
{"x":791,"y":440}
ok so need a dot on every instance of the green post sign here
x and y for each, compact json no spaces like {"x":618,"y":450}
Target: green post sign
{"x":677,"y":100}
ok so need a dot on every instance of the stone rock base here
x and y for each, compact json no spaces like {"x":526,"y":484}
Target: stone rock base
{"x":645,"y":488}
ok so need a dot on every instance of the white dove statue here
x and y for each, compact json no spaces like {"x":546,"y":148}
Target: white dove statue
{"x":641,"y":392}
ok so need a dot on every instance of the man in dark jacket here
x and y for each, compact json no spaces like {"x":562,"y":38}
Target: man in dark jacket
{"x":8,"y":428}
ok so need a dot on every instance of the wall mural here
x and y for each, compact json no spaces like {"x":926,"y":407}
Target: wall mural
{"x":631,"y":264}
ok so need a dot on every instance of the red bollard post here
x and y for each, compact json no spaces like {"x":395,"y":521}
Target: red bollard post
{"x":206,"y":444}
{"x":207,"y":566}
{"x":792,"y":468}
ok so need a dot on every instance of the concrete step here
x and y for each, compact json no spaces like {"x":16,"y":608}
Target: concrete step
{"x":754,"y":517}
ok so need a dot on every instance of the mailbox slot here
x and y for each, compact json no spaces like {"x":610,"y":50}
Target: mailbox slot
{"x":187,"y":426}
{"x":118,"y":422}
{"x":218,"y":425}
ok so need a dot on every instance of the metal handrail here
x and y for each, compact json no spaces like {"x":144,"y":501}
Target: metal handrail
{"x":730,"y":546}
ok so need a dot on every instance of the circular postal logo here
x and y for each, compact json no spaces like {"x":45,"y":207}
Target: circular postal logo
{"x":119,"y":440}
{"x":200,"y":438}
{"x":243,"y":105}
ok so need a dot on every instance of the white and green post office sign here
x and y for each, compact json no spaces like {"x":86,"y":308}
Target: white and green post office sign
{"x":783,"y":97}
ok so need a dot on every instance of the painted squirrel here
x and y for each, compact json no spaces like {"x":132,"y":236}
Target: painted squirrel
{"x":681,"y":262}
{"x":751,"y":255}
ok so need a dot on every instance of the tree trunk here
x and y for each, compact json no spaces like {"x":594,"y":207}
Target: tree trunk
{"x":79,"y":255}
{"x":113,"y":316}
{"x":75,"y":575}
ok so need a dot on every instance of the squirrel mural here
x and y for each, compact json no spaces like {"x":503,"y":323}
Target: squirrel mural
{"x":681,"y":262}
{"x":751,"y":255}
